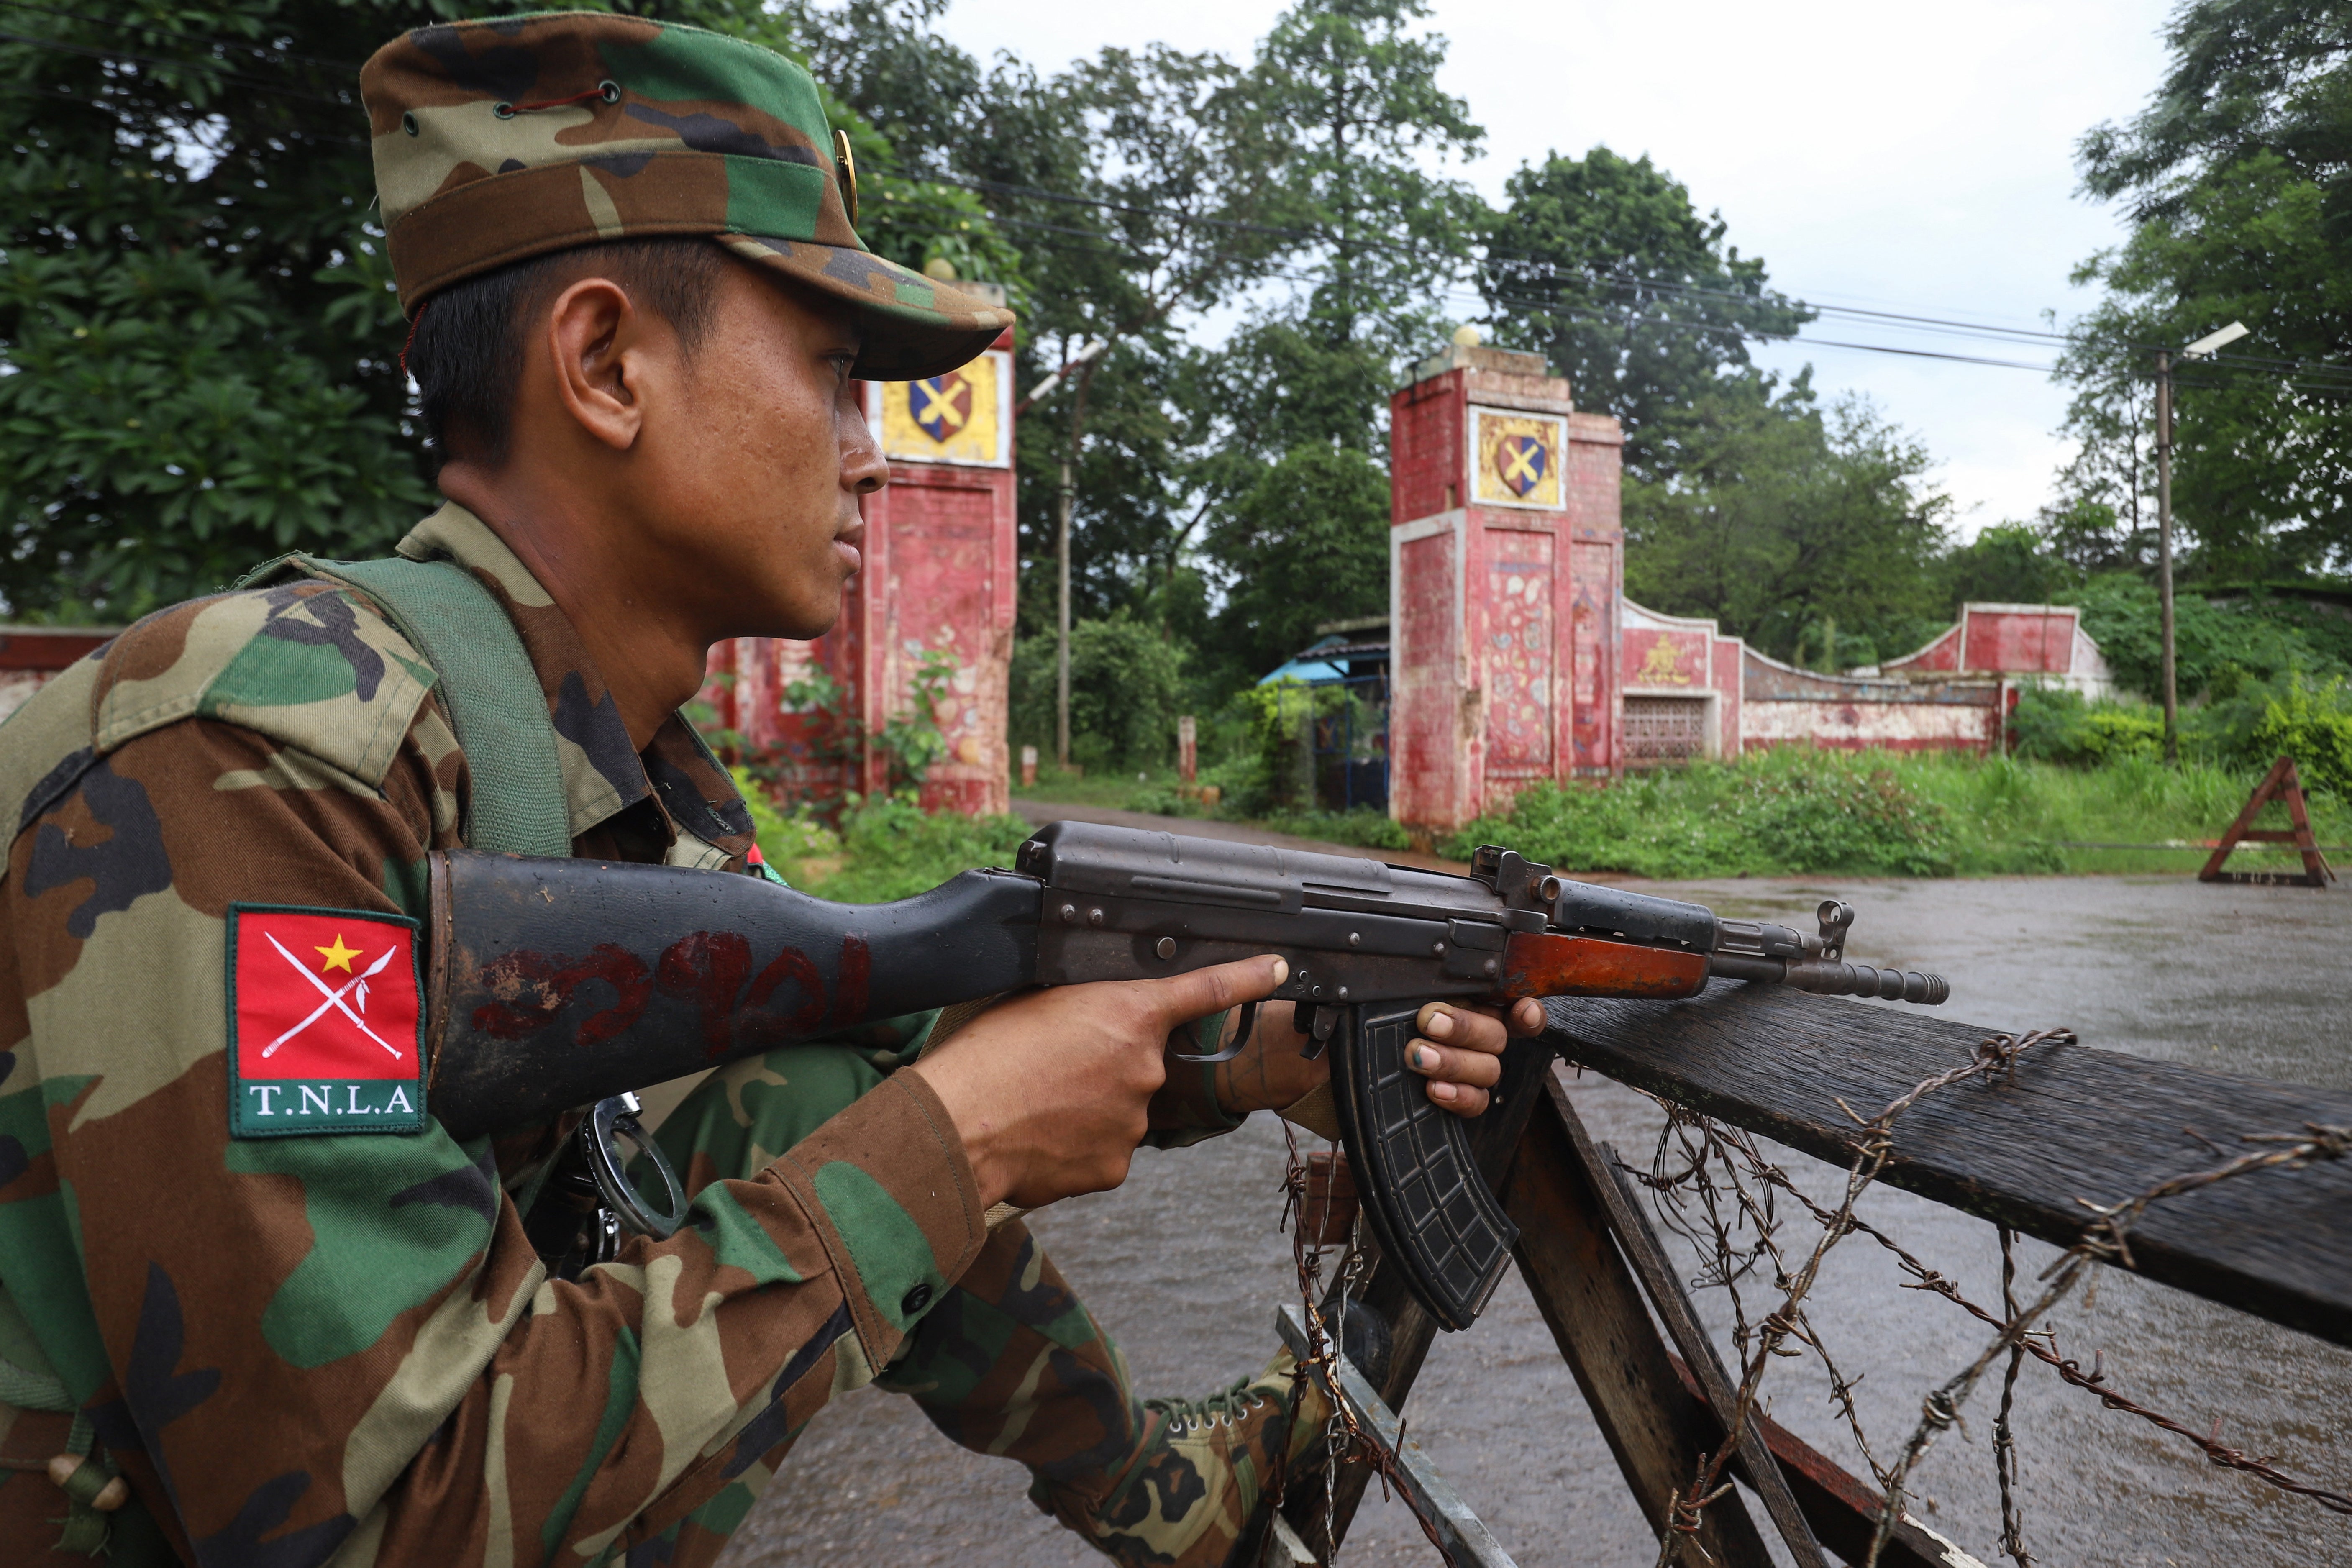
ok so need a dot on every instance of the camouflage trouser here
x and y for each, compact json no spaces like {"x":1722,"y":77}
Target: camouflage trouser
{"x":1009,"y":1362}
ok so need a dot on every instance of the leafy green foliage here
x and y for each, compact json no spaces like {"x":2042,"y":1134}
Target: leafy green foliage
{"x":1307,"y":543}
{"x":1352,"y":92}
{"x":1363,"y":827}
{"x":2257,"y":637}
{"x":1789,"y":810}
{"x":2237,"y":179}
{"x":1126,"y":681}
{"x":1800,"y":812}
{"x":2314,"y":726}
{"x":1802,"y":533}
{"x":1605,"y":266}
{"x":2055,"y":725}
{"x":892,"y":848}
{"x":911,"y":738}
{"x":2008,"y":563}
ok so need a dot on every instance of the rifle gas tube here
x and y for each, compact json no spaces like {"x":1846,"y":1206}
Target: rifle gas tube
{"x":559,"y":983}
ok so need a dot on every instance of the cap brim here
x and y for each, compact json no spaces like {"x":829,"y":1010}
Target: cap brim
{"x":915,"y":327}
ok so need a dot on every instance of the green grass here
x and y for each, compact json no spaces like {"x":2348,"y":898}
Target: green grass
{"x":1110,"y":787}
{"x":884,"y":849}
{"x":1788,"y":812}
{"x":1796,"y":812}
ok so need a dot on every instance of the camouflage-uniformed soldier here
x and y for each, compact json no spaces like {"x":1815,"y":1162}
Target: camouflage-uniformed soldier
{"x":227,"y":1349}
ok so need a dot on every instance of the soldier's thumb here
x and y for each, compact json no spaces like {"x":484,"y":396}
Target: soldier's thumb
{"x":1184,"y":997}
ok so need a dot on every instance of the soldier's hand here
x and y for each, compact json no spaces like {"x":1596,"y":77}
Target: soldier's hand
{"x":1458,"y":1049}
{"x":1050,"y":1089}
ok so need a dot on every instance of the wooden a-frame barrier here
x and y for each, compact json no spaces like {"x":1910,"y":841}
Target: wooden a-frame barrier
{"x":2074,"y":1123}
{"x":2281,"y":785}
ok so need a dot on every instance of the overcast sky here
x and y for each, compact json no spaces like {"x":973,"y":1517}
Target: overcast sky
{"x":1916,"y":161}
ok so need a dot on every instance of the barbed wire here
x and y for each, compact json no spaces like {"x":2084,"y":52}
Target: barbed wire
{"x":1345,"y":1438}
{"x":1692,"y":1149}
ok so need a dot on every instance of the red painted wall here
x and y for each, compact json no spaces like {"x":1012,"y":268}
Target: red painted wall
{"x":940,"y":575}
{"x":1506,"y":567}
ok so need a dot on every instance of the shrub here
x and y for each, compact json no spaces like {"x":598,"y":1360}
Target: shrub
{"x":1126,"y":685}
{"x":2315,"y":728}
{"x":786,"y":838}
{"x":1790,"y":810}
{"x":895,"y":849}
{"x":2056,"y":725}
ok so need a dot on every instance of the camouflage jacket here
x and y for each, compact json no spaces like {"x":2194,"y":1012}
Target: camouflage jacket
{"x":296,"y":1347}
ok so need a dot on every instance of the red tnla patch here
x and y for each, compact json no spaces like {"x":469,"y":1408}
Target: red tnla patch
{"x":325,"y":1022}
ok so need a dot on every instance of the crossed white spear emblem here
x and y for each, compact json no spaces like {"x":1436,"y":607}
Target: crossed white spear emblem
{"x":335,"y":997}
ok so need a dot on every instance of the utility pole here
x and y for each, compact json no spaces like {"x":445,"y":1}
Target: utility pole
{"x":2164,"y":549}
{"x":2205,"y":347}
{"x":1062,"y":547}
{"x":1062,"y":667}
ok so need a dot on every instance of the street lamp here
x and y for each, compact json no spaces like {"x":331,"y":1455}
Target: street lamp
{"x":2203,"y":348}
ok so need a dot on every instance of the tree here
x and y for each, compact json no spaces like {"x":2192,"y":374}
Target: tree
{"x":1285,"y":423}
{"x":1354,"y":94}
{"x":1604,"y":268}
{"x":199,"y":346}
{"x":2237,"y":178}
{"x":1306,"y":543}
{"x":1816,"y":538}
{"x":2008,"y":563}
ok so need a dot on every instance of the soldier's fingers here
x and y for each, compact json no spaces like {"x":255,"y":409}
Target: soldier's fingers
{"x":1475,"y":1068}
{"x":1527,"y":1016}
{"x":1463,"y":1027}
{"x":1458,"y":1098}
{"x":1183,"y":997}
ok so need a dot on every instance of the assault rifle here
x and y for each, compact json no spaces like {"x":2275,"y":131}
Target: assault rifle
{"x":562,"y":982}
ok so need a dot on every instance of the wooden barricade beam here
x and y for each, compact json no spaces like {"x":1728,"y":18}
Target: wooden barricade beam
{"x":2283,"y":784}
{"x":2069,"y":1126}
{"x":2077,"y":1126}
{"x":1593,"y":1306}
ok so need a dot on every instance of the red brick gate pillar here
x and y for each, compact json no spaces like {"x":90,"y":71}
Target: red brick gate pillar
{"x":938,"y":588}
{"x":1506,"y":560}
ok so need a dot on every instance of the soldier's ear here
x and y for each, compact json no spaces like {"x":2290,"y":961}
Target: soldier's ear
{"x":596,"y":347}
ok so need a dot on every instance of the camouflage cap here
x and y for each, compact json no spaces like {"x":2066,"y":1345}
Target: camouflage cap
{"x":497,"y":140}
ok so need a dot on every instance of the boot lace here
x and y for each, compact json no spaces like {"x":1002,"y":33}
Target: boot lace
{"x":1228,"y":1405}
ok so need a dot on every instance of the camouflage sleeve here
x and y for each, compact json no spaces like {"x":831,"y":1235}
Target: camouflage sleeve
{"x":342,"y":1342}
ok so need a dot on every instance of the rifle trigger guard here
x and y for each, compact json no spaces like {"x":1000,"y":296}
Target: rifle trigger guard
{"x":618,"y":1116}
{"x":1240,"y":1038}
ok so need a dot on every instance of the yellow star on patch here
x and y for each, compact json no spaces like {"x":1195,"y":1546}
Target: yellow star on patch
{"x":338,"y":956}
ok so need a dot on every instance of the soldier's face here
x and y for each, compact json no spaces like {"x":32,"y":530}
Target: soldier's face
{"x":764,"y":465}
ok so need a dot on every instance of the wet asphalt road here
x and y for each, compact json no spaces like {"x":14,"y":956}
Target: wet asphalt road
{"x":1184,"y":1266}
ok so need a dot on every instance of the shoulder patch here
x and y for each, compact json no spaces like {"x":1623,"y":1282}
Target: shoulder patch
{"x":326,"y":1021}
{"x":305,"y":664}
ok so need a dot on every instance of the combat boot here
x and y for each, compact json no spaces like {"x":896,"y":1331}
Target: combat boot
{"x":1197,"y":1477}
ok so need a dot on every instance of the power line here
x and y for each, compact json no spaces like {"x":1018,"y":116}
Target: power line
{"x":1599,"y":319}
{"x":2313,"y":377}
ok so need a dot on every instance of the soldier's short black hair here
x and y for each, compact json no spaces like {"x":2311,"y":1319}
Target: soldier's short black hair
{"x":465,"y":352}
